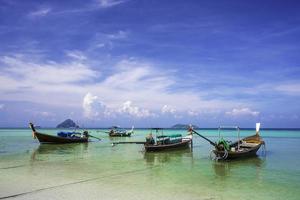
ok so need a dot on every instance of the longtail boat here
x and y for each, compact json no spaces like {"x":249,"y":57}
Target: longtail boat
{"x":61,"y":138}
{"x":166,"y":142}
{"x":161,"y":142}
{"x":242,"y":148}
{"x":117,"y":132}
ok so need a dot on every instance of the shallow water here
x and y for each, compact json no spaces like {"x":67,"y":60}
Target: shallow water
{"x":99,"y":171}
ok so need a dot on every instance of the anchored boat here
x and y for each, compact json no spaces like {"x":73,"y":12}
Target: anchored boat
{"x":244,"y":147}
{"x":62,"y":137}
{"x":118,"y":132}
{"x":161,"y":142}
{"x":166,"y":142}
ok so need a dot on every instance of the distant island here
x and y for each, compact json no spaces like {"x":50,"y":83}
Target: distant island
{"x":184,"y":126}
{"x":68,"y":123}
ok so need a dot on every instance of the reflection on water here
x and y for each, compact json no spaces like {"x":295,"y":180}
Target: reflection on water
{"x":154,"y":158}
{"x":58,"y":149}
{"x":225,"y":168}
{"x":119,"y":139}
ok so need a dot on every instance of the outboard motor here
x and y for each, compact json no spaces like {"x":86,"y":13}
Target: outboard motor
{"x":150,"y":140}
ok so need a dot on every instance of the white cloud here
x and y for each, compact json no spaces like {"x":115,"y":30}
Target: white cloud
{"x":134,"y":76}
{"x":242,"y":112}
{"x":76,"y":55}
{"x":129,"y":108}
{"x":100,"y":45}
{"x":64,"y":84}
{"x":45,"y":114}
{"x":89,"y":7}
{"x":119,"y":35}
{"x":193,"y":113}
{"x":107,"y":40}
{"x":40,"y":12}
{"x":109,"y":3}
{"x":50,"y":72}
{"x":92,"y":106}
{"x":291,"y":88}
{"x":168,"y":109}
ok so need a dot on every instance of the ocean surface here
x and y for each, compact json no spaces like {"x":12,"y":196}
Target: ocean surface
{"x":98,"y":170}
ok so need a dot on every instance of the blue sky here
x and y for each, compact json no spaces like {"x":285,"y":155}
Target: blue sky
{"x":150,"y":63}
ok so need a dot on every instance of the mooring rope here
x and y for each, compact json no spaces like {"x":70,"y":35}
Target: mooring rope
{"x":264,"y":149}
{"x":224,"y":156}
{"x":17,"y":166}
{"x":78,"y":182}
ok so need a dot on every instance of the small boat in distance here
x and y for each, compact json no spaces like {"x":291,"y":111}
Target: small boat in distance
{"x":242,"y":148}
{"x":116,"y":131}
{"x":163,"y":142}
{"x":61,"y":138}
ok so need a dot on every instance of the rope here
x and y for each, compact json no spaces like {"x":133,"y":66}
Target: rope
{"x":212,"y":153}
{"x":77,"y":182}
{"x":264,"y":149}
{"x":12,"y":167}
{"x":225,"y":155}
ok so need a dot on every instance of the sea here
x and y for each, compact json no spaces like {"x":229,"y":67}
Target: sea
{"x":99,"y":170}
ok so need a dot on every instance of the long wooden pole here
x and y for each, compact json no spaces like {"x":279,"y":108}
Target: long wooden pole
{"x":94,"y":137}
{"x":211,"y":142}
{"x":128,"y":142}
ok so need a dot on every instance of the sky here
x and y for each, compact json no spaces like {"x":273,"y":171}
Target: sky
{"x":150,"y":63}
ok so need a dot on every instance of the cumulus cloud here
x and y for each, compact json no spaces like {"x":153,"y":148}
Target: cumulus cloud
{"x":242,"y":112}
{"x":127,"y":79}
{"x":93,"y":107}
{"x":130,"y":109}
{"x":168,"y":109}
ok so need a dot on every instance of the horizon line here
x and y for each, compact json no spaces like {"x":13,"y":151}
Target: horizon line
{"x":245,"y":128}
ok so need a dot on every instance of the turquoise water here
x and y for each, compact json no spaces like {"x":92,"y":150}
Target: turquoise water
{"x":99,"y":171}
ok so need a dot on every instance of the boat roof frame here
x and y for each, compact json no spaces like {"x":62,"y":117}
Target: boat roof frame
{"x":237,"y":128}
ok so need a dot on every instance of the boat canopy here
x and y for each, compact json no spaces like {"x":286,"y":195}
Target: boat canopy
{"x":67,"y":134}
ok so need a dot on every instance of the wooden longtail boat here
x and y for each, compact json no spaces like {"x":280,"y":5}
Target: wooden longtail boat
{"x":246,"y":147}
{"x":163,"y":142}
{"x":117,"y":132}
{"x":163,"y":147}
{"x":167,"y":142}
{"x":51,"y":139}
{"x":242,"y":148}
